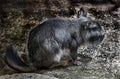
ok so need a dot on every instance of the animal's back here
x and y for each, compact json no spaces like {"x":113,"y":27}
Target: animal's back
{"x":49,"y":27}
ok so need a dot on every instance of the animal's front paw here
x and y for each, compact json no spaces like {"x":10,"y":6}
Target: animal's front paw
{"x":77,"y":63}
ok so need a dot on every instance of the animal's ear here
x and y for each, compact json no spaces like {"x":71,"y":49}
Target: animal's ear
{"x":82,"y":12}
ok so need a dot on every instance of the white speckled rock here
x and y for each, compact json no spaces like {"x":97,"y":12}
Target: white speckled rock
{"x":26,"y":76}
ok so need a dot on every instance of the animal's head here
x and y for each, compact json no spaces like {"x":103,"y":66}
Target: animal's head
{"x":90,"y":30}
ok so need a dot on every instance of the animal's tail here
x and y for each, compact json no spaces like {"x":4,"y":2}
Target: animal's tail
{"x":13,"y":60}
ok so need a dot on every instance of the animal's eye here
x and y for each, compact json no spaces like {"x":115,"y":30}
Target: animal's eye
{"x":93,"y":27}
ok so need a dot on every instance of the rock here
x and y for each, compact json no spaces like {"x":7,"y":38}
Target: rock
{"x":102,"y":62}
{"x":26,"y":76}
{"x":2,"y":64}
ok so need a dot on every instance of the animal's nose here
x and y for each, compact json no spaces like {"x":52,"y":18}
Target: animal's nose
{"x":101,"y":37}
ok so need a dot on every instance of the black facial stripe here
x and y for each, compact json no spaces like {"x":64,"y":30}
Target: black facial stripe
{"x":96,"y":38}
{"x":93,"y":38}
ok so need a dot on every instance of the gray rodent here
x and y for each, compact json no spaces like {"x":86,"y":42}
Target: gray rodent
{"x":55,"y":40}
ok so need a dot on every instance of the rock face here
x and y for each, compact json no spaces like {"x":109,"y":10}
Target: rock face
{"x":102,"y":62}
{"x":26,"y":76}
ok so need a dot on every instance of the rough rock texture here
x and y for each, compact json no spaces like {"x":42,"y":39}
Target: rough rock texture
{"x":98,"y":62}
{"x":26,"y":76}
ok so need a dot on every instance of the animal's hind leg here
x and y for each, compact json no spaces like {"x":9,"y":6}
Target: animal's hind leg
{"x":62,"y":58}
